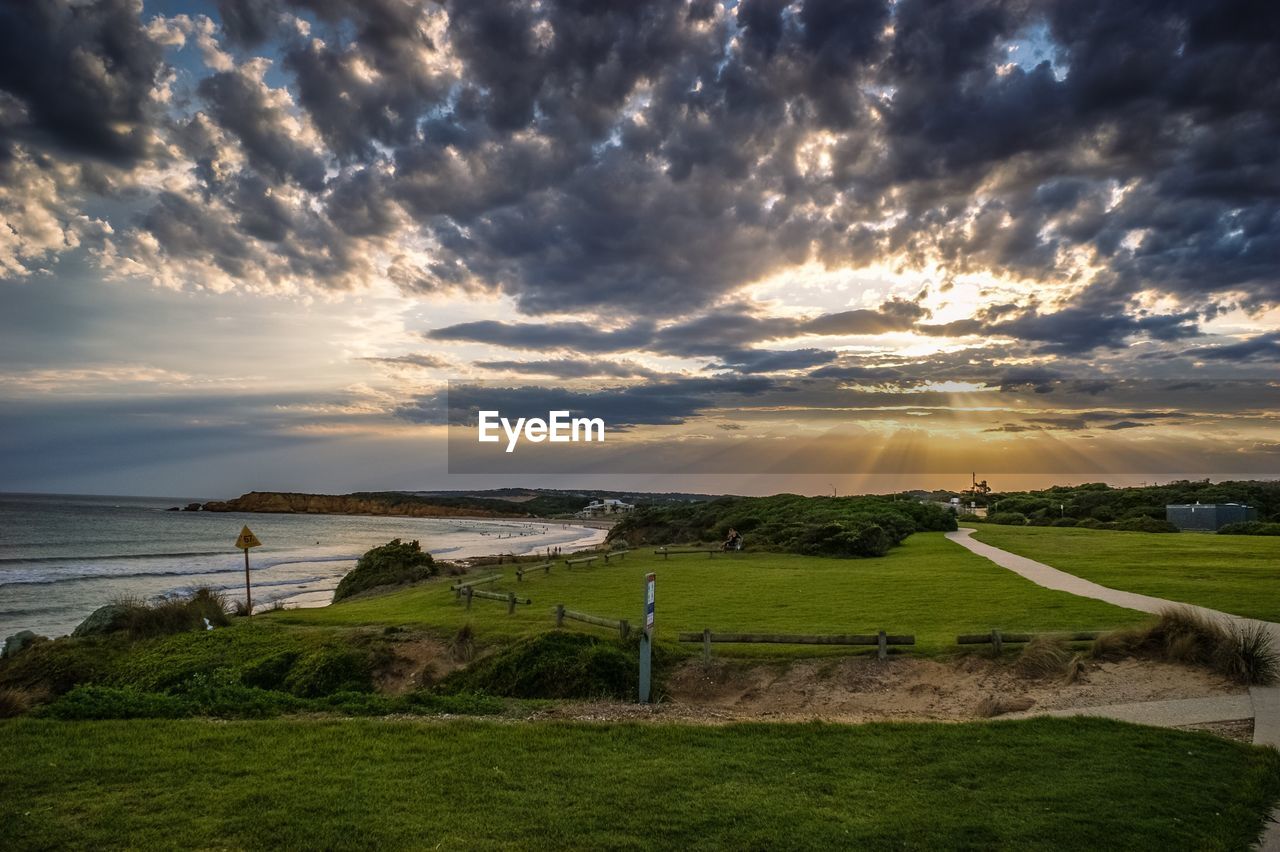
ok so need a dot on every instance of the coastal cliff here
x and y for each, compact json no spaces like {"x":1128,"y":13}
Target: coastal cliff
{"x":364,"y":504}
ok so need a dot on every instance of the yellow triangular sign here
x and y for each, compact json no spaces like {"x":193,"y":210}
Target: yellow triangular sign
{"x":247,"y":539}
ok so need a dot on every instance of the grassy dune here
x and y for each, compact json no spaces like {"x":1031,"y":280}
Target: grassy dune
{"x":929,"y":586}
{"x":1236,"y":574}
{"x":1042,"y":784}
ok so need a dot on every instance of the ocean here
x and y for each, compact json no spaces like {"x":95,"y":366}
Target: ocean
{"x":62,"y":556}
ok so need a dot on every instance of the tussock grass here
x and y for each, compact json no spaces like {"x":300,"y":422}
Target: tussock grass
{"x":1050,"y":657}
{"x":141,"y":619}
{"x":1181,"y":635}
{"x":16,"y":702}
{"x":463,"y":645}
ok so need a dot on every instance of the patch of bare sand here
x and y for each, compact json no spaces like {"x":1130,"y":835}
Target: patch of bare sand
{"x":419,"y":661}
{"x":859,"y":689}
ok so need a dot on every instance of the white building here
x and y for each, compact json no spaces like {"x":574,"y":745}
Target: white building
{"x":600,"y":508}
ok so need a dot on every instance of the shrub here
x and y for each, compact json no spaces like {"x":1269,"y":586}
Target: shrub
{"x":1090,"y":524}
{"x":1013,"y":519}
{"x":116,"y":702}
{"x":1250,"y":528}
{"x":835,"y":539}
{"x":558,"y":664}
{"x":835,"y":526}
{"x":1064,"y":522}
{"x":269,"y":672}
{"x":330,"y":670}
{"x":1147,"y":525}
{"x":391,"y":564}
{"x":463,"y":645}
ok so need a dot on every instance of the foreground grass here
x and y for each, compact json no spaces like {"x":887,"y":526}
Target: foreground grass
{"x":929,"y":586}
{"x":1041,"y":784}
{"x":1236,"y":574}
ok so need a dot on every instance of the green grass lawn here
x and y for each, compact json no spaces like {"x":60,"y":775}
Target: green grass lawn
{"x":1041,"y":784}
{"x":1236,"y":574}
{"x":930,"y":587}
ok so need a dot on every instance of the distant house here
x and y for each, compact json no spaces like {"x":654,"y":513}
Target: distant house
{"x":962,"y":508}
{"x":1208,"y":517}
{"x":602,"y":508}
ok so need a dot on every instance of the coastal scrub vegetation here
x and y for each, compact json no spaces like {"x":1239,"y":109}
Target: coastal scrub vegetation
{"x":1100,"y":506}
{"x":392,"y":564}
{"x":1085,"y":783}
{"x":813,"y":526}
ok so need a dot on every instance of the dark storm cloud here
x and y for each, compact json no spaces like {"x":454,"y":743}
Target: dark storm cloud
{"x":662,"y":402}
{"x":570,"y":368}
{"x":1260,"y":347}
{"x":83,"y":73}
{"x":649,"y":159}
{"x":420,"y":360}
{"x":239,"y":103}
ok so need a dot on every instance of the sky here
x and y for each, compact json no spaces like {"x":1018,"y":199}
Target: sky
{"x":808,"y":246}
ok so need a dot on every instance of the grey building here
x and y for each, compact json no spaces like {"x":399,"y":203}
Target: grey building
{"x":1208,"y":517}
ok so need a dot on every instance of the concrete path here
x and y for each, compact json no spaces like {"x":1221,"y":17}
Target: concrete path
{"x":1052,"y":578}
{"x":1262,"y":703}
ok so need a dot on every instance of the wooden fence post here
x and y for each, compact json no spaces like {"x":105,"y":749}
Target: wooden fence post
{"x":882,"y":643}
{"x":559,"y":615}
{"x":470,"y":592}
{"x":997,"y":642}
{"x":706,"y":644}
{"x":624,"y":629}
{"x":511,"y":603}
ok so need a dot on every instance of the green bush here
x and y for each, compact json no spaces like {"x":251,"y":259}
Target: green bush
{"x":558,"y":664}
{"x":391,"y":564}
{"x":1250,"y":528}
{"x":116,"y":702}
{"x":1065,"y":522}
{"x":829,"y":526}
{"x":1146,"y":524}
{"x":1090,"y":524}
{"x":1009,"y":519}
{"x":269,"y":672}
{"x":330,"y":670}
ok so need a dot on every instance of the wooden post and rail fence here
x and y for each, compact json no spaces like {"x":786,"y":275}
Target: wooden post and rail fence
{"x":619,"y":624}
{"x":997,"y":639}
{"x":880,"y":640}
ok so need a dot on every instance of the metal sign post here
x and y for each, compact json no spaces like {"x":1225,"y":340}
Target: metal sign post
{"x":646,"y":639}
{"x":247,"y":540}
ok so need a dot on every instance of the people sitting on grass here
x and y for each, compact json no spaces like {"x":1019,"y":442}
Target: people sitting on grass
{"x":733,"y":541}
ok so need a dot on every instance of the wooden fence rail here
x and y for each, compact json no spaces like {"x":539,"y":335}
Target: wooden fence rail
{"x":478,"y":581}
{"x":997,"y":638}
{"x":881,"y":640}
{"x":621,"y":625}
{"x":545,"y":568}
{"x":710,"y":551}
{"x":569,"y":563}
{"x":509,"y":597}
{"x":614,"y":554}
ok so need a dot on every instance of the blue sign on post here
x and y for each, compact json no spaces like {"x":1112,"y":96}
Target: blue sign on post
{"x":646,"y":638}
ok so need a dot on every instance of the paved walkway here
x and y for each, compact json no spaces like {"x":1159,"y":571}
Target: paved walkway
{"x":1262,"y":703}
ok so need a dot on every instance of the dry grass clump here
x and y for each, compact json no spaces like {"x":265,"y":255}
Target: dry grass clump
{"x":1246,"y":655}
{"x":172,"y":615}
{"x":993,"y":706}
{"x":463,"y":645}
{"x":1050,"y":656}
{"x":15,"y":701}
